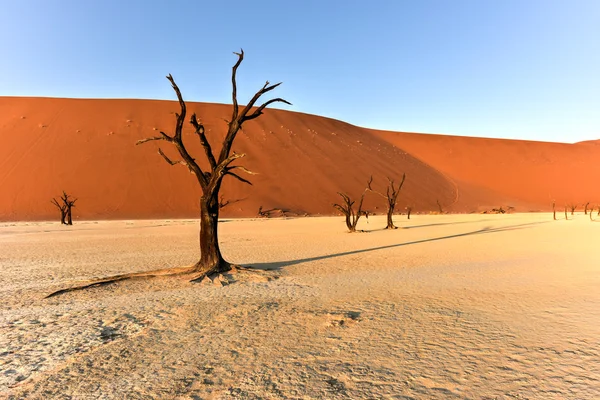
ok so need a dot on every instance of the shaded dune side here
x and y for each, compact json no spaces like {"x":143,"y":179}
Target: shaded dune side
{"x":492,"y":172}
{"x":87,"y":147}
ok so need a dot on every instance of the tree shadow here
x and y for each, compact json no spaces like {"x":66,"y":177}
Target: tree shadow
{"x":278,"y":265}
{"x":445,"y":223}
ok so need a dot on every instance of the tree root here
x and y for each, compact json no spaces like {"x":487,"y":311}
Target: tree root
{"x":198,"y":277}
{"x":124,"y":277}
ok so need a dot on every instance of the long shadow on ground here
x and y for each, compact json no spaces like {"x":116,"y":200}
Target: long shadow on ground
{"x":278,"y":265}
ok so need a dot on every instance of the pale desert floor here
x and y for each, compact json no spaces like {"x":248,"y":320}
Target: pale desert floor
{"x":452,"y":306}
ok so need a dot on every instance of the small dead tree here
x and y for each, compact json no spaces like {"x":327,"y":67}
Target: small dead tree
{"x":592,"y":214}
{"x":585,"y":209}
{"x":408,"y":211}
{"x":210,"y":180}
{"x":566,"y":215}
{"x":573,"y":207}
{"x":439,"y":206}
{"x":391,"y":197}
{"x":347,"y":208}
{"x":554,"y":210}
{"x":69,"y":203}
{"x":63,"y":211}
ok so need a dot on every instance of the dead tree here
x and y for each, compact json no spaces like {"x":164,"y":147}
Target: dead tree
{"x":69,"y":203}
{"x":554,"y":210}
{"x":573,"y":207}
{"x":391,"y":197}
{"x":347,"y":208}
{"x":219,"y":166}
{"x":439,"y":206}
{"x":63,"y":211}
{"x":408,"y":211}
{"x":585,"y":209}
{"x":566,"y":215}
{"x":591,"y":214}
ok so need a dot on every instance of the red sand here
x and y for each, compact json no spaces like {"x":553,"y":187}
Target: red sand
{"x":87,"y":147}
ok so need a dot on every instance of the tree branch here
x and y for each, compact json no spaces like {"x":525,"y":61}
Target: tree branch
{"x":168,"y":160}
{"x":236,"y":176}
{"x":163,"y":136}
{"x":203,"y":141}
{"x":234,"y":84}
{"x":258,"y":111}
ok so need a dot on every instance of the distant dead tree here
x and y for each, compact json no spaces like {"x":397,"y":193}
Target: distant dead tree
{"x":566,"y":215}
{"x":267,"y":213}
{"x":585,"y":209}
{"x":224,"y":203}
{"x":573,"y":207}
{"x":347,"y":208}
{"x":591,"y":214}
{"x":408,"y":211}
{"x":63,"y":210}
{"x":65,"y":205}
{"x":554,"y":210}
{"x":69,"y":204}
{"x":390,"y":196}
{"x":210,"y":180}
{"x":439,"y":206}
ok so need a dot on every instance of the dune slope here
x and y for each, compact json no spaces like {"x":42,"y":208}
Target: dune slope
{"x":489,"y":173}
{"x":87,"y":147}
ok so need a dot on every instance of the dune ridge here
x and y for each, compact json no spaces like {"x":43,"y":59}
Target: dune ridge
{"x":87,"y":147}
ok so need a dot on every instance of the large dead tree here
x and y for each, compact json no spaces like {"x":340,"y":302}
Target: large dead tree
{"x":347,"y":208}
{"x":391,"y":197}
{"x":220,"y":165}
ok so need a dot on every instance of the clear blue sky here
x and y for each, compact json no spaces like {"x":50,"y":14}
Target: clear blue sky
{"x":525,"y":69}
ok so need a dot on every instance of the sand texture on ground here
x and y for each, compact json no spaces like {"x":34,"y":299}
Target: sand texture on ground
{"x":449,"y":307}
{"x":86,"y":147}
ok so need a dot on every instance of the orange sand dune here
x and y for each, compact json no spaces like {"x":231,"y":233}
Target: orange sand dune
{"x":87,"y":147}
{"x":492,"y":172}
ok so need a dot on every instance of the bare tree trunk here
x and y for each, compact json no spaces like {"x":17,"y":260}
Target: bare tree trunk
{"x":390,"y":223}
{"x":408,"y":211}
{"x":69,"y":216}
{"x":566,"y":215}
{"x":585,"y":210}
{"x":211,"y":261}
{"x":554,"y":210}
{"x":351,"y":228}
